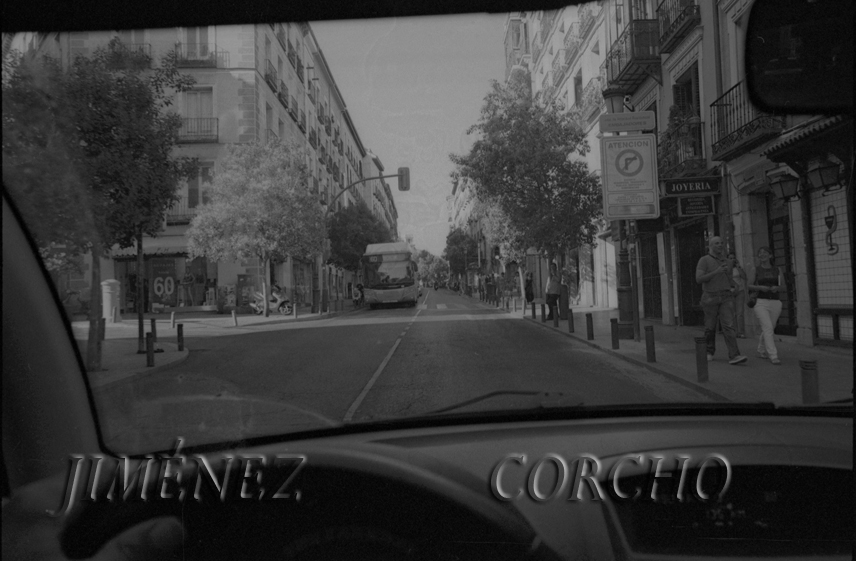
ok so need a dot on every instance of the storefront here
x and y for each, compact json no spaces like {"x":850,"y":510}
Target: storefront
{"x":170,"y":280}
{"x":815,"y":177}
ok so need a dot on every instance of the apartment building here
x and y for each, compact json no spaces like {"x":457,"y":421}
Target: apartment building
{"x":253,"y":83}
{"x":718,"y":156}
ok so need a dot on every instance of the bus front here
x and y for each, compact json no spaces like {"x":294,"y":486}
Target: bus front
{"x":389,"y":278}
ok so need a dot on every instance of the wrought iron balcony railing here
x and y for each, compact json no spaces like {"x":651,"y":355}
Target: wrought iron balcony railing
{"x":302,"y":122}
{"x":587,"y":16}
{"x":592,"y":98}
{"x":677,"y":18}
{"x":737,"y":126}
{"x":282,"y":94}
{"x":681,"y":149}
{"x":280,"y":36}
{"x":634,"y":56}
{"x":201,"y":55}
{"x":199,"y":129}
{"x":300,"y":69}
{"x":292,"y":108}
{"x":560,"y":65}
{"x":181,"y":212}
{"x":271,"y":76}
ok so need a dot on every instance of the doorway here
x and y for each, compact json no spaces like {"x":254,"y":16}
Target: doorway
{"x":691,"y":247}
{"x":779,"y":223}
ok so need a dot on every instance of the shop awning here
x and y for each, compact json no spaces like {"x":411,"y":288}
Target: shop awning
{"x":803,"y":131}
{"x":167,"y":245}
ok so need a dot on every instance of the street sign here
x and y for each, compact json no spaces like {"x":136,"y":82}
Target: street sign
{"x":630,"y":190}
{"x":695,"y":206}
{"x":627,"y":122}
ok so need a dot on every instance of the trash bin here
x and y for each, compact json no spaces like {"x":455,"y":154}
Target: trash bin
{"x":110,"y":292}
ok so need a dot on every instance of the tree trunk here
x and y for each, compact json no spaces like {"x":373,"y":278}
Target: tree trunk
{"x":141,"y":294}
{"x":265,"y":274}
{"x":93,"y":345}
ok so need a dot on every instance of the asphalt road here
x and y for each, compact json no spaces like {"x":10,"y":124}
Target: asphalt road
{"x":369,"y":365}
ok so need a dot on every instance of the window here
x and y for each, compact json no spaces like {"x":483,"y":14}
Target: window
{"x":197,"y":42}
{"x":619,"y":17}
{"x":132,"y":36}
{"x":198,"y":186}
{"x":686,"y":92}
{"x":578,"y":88}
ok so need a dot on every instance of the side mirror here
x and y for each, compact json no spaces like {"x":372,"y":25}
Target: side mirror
{"x":799,"y":56}
{"x":404,"y":179}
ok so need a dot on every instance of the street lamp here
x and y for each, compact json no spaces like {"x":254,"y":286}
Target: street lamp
{"x":627,"y":309}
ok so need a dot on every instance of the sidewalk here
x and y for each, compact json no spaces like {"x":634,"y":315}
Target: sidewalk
{"x":755,"y":380}
{"x":119,"y":357}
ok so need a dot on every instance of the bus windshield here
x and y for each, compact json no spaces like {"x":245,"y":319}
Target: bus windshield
{"x":387,"y":271}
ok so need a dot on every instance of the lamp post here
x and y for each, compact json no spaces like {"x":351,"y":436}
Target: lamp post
{"x":628,"y":326}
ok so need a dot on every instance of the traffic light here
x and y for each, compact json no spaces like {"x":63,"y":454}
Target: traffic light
{"x":404,"y":179}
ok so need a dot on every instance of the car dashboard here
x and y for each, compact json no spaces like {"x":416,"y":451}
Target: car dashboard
{"x":673,"y":486}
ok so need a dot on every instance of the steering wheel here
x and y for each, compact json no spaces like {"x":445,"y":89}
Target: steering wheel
{"x":366,"y":501}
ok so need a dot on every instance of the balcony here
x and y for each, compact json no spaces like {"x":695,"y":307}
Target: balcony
{"x":271,"y":76}
{"x":592,"y":102}
{"x":311,"y":95}
{"x":560,"y":65}
{"x":547,"y":21}
{"x":291,"y":54}
{"x":198,"y":130}
{"x":322,"y":153}
{"x":572,"y":43}
{"x":299,"y":69}
{"x":634,"y":56}
{"x":680,"y":150}
{"x":282,"y":94}
{"x":302,"y":122}
{"x":181,"y":213}
{"x":292,"y":108}
{"x":587,"y":17}
{"x":200,"y":55}
{"x":280,"y":36}
{"x":677,"y":18}
{"x":313,"y":140}
{"x":328,"y":128}
{"x":737,"y":126}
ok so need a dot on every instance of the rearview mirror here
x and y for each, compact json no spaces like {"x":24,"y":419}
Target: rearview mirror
{"x":799,"y":56}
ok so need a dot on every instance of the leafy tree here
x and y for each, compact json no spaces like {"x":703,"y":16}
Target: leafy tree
{"x":528,"y":160}
{"x":260,"y":207}
{"x":497,"y":228}
{"x":112,"y":144}
{"x":431,"y":267}
{"x":351,"y":230}
{"x":460,"y":248}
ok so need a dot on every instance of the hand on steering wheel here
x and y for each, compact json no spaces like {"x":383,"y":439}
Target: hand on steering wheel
{"x":30,"y":533}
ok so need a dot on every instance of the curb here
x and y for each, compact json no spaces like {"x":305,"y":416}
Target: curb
{"x":142,"y":371}
{"x":677,"y":379}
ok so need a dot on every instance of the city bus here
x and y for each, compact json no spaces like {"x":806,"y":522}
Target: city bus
{"x":389,"y":274}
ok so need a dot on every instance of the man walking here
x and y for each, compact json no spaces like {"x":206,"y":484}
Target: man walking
{"x":554,"y":288}
{"x":713,"y":272}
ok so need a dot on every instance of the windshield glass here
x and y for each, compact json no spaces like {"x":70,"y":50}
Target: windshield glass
{"x":592,"y":225}
{"x":382,"y":270}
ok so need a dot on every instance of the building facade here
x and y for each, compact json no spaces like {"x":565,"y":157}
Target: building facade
{"x":261,"y":83}
{"x":717,"y":156}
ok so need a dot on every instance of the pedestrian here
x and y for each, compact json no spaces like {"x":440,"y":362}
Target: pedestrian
{"x":187,"y":288}
{"x":738,"y":275}
{"x":713,"y":272}
{"x":553,"y":289}
{"x":767,"y":281}
{"x":529,"y":289}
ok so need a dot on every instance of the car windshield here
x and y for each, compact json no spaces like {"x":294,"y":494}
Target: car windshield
{"x":600,"y":217}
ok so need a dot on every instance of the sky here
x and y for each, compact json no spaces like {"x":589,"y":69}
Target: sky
{"x":413,"y":86}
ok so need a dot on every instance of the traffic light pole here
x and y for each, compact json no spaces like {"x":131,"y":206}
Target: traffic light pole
{"x":403,"y":176}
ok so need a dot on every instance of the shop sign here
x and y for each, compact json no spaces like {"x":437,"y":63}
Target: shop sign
{"x":695,"y":206}
{"x":164,"y":282}
{"x":627,"y":122}
{"x":630,"y":189}
{"x":692,"y":186}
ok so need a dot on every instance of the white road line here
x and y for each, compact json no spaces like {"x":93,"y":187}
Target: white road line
{"x":441,"y":306}
{"x":356,"y":404}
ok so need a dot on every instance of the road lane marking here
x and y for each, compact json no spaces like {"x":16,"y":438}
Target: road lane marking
{"x":441,"y":306}
{"x":356,"y":404}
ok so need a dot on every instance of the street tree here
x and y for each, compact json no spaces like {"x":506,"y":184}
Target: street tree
{"x":528,"y":158}
{"x":118,"y":138}
{"x":498,"y":228}
{"x":351,"y":230}
{"x":260,"y":206}
{"x":460,"y":248}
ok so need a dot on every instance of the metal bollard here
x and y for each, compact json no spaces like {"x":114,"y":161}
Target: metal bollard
{"x":154,"y":330}
{"x":150,"y":349}
{"x":543,"y":314}
{"x":810,"y":389}
{"x":649,"y":344}
{"x":116,"y":316}
{"x":235,"y":318}
{"x":701,"y":358}
{"x":172,"y":319}
{"x":589,"y":327}
{"x":180,"y":336}
{"x":102,"y":329}
{"x":533,"y":310}
{"x":570,"y":320}
{"x":613,"y":324}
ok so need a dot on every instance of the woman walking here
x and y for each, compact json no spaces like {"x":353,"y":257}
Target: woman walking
{"x":739,"y":277}
{"x":767,"y":281}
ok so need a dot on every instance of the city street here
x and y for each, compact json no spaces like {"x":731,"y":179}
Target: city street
{"x":370,"y":365}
